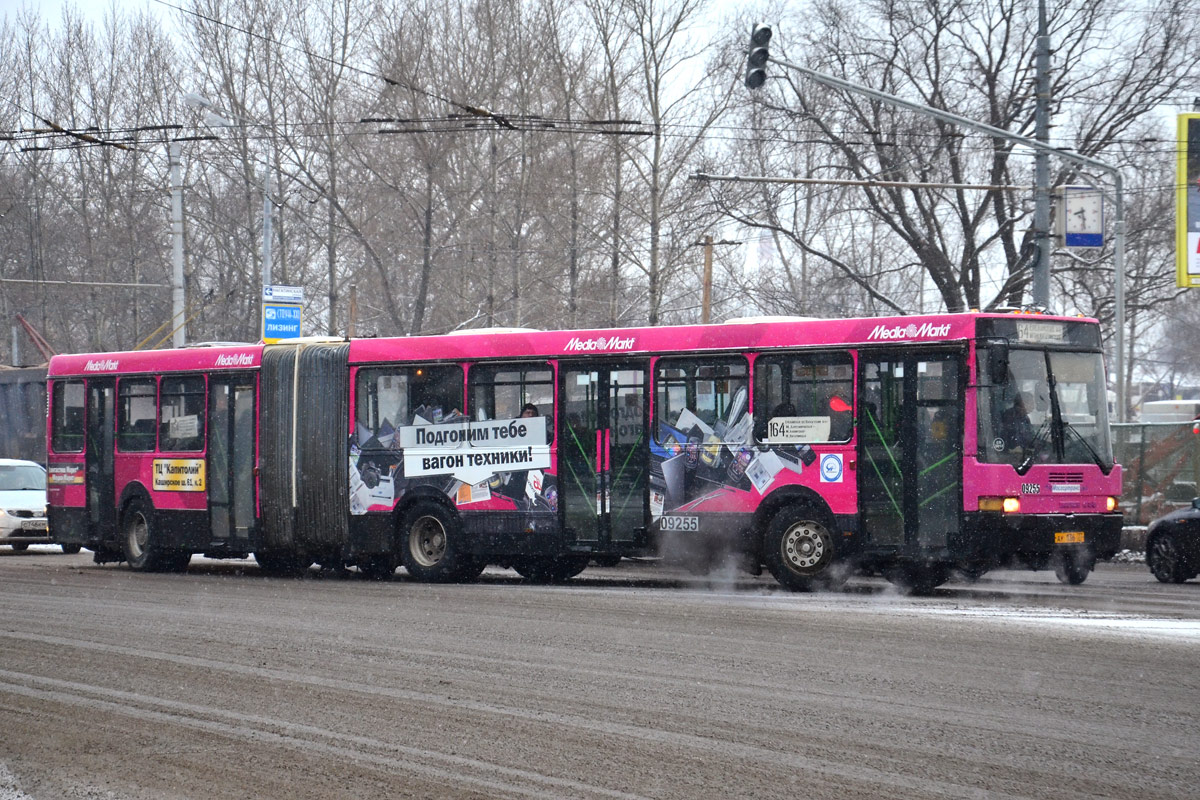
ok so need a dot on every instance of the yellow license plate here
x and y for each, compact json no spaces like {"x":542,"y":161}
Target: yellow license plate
{"x":1068,"y":537}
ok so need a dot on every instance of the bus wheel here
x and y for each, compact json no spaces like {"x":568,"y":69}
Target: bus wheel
{"x":917,"y":579}
{"x":799,"y":549}
{"x":431,"y":542}
{"x":379,"y":567}
{"x":140,"y":550}
{"x":1165,"y":560}
{"x":71,"y":549}
{"x":551,"y":569}
{"x":1072,"y":564}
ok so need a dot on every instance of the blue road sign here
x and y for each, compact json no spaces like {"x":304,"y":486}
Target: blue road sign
{"x":280,"y":321}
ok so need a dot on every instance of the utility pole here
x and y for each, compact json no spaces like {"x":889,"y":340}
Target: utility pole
{"x":178,"y":315}
{"x":706,"y":301}
{"x":268,"y":212}
{"x":1041,"y":165}
{"x":705,"y":315}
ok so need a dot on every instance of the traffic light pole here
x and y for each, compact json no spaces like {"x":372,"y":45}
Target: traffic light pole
{"x":1100,"y":166}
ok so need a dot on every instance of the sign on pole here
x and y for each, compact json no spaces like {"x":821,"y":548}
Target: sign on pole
{"x":283,"y":294}
{"x":1187,"y":203}
{"x":1082,"y":216}
{"x":281,"y":312}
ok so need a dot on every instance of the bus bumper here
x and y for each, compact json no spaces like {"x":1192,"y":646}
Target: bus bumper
{"x":1001,"y":537}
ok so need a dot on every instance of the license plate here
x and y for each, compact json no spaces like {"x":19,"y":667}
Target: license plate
{"x":675,"y":523}
{"x":33,"y":525}
{"x":1068,"y":537}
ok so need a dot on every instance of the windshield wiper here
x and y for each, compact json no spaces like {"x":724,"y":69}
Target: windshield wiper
{"x":1083,"y":440}
{"x":1035,"y":446}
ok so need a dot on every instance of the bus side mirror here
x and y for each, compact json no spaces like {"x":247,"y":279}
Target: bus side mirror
{"x":998,"y":363}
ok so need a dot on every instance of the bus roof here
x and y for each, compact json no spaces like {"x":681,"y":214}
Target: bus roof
{"x":526,"y":343}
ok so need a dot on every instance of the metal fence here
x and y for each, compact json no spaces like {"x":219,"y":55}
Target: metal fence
{"x":1161,"y":463}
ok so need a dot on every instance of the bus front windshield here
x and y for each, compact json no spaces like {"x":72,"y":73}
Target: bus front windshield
{"x":1052,"y":408}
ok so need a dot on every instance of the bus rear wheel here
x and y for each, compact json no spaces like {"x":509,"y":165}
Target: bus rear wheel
{"x":431,"y":545}
{"x":799,"y":549}
{"x":140,"y":546}
{"x":1072,"y":565}
{"x":71,"y":549}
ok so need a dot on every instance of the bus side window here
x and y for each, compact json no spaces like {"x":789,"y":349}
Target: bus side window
{"x":507,"y":391}
{"x":389,"y":398}
{"x":66,"y":432}
{"x":817,"y":386}
{"x":700,"y":398}
{"x":181,"y":414}
{"x":135,"y":414}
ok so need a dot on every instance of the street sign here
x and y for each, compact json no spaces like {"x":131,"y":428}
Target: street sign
{"x":1187,"y":203}
{"x":283,"y":294}
{"x":280,"y":321}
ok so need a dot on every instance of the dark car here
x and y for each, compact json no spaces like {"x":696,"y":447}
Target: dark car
{"x":1173,"y":545}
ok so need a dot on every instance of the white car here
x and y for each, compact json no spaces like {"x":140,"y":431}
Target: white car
{"x":22,"y":504}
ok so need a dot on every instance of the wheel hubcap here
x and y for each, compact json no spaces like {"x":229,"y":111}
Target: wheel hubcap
{"x":427,"y":541}
{"x":805,"y":546}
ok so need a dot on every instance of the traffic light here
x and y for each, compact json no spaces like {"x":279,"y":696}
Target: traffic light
{"x":756,"y":59}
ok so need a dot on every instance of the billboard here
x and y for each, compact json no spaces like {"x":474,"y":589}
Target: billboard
{"x":1187,"y":203}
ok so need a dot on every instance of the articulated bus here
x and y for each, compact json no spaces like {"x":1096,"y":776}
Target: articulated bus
{"x":910,"y":446}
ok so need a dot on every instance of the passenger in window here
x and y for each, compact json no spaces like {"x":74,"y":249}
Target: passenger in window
{"x":529,"y":410}
{"x":841,"y":420}
{"x":1017,"y":430}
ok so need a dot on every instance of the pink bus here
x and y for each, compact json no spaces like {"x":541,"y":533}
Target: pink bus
{"x":910,"y":446}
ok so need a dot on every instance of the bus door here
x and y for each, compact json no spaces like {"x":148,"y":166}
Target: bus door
{"x":230,"y":467}
{"x":910,"y":449}
{"x":101,"y":491}
{"x":603,"y":454}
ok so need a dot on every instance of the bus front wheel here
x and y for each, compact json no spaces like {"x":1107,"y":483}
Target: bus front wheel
{"x":431,"y":545}
{"x":799,"y":549}
{"x":1072,"y":565}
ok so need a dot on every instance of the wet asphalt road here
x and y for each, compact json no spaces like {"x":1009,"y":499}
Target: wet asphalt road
{"x":629,"y":682}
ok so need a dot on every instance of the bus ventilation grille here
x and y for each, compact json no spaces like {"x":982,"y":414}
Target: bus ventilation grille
{"x":1066,"y":477}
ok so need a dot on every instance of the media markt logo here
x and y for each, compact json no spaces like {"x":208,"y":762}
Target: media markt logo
{"x":910,"y":331}
{"x":103,"y":365}
{"x":234,"y":360}
{"x":601,"y":344}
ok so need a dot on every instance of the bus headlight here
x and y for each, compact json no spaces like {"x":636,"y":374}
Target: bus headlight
{"x":1009,"y":505}
{"x":1112,"y":503}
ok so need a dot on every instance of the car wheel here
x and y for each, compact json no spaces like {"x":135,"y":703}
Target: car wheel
{"x":20,"y":547}
{"x":1072,"y":565}
{"x":799,"y":549}
{"x":1165,"y":559}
